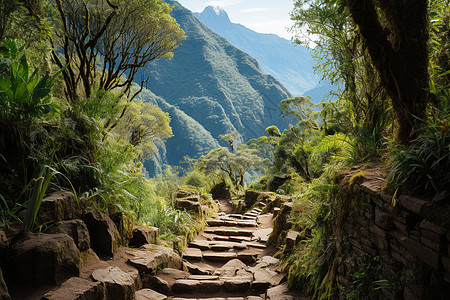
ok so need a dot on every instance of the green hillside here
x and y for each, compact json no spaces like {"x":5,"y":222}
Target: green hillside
{"x":214,"y":85}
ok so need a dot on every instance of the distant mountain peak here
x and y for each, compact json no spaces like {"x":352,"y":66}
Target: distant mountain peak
{"x":216,"y":11}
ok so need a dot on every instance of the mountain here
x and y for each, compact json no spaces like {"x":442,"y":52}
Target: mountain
{"x":210,"y":88}
{"x":291,"y":64}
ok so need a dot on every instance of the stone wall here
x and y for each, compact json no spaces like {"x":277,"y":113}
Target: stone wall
{"x":409,"y":237}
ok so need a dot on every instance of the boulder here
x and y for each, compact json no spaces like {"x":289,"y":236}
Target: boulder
{"x":144,"y":235}
{"x":118,"y":284}
{"x":280,"y":292}
{"x":105,"y":238}
{"x":292,"y":239}
{"x":189,"y":205}
{"x":76,"y":288}
{"x":58,"y":206}
{"x":281,"y":225}
{"x":4,"y":241}
{"x":46,"y":258}
{"x":230,"y":268}
{"x":76,"y":229}
{"x":187,"y":193}
{"x":156,"y":283}
{"x":4,"y":295}
{"x":253,"y":196}
{"x":164,"y":279}
{"x":153,"y":258}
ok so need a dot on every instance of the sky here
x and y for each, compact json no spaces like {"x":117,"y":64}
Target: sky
{"x":264,"y":16}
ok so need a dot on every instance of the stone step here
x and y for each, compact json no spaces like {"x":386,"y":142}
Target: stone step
{"x":237,"y":216}
{"x":234,"y":285}
{"x":200,"y":244}
{"x":220,"y":298}
{"x":148,"y":294}
{"x":256,"y":245}
{"x":203,"y":277}
{"x":225,"y":246}
{"x":229,"y":231}
{"x":243,"y":223}
{"x":232,"y":238}
{"x":219,"y":256}
{"x":198,"y":270}
{"x":192,"y":254}
{"x":217,"y":245}
{"x":251,"y":214}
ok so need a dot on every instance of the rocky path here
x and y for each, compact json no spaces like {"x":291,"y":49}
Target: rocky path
{"x":231,"y":261}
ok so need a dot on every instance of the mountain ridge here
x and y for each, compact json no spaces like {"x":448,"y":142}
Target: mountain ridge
{"x":296,"y":74}
{"x":210,"y":88}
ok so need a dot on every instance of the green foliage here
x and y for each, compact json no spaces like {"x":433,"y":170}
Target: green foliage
{"x":423,"y":166}
{"x":225,"y":164}
{"x":23,"y":93}
{"x":40,"y":186}
{"x":122,"y":38}
{"x":171,"y":222}
{"x":365,"y":280}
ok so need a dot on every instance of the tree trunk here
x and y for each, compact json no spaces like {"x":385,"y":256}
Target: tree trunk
{"x":399,"y":52}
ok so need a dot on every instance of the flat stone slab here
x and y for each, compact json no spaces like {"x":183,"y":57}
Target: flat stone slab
{"x":240,"y":238}
{"x":185,"y":286}
{"x":246,"y":223}
{"x":248,"y":256}
{"x":203,"y":277}
{"x":206,"y":286}
{"x":251,"y":214}
{"x":256,"y":245}
{"x":221,"y":238}
{"x":192,"y":254}
{"x":225,"y":246}
{"x":197,"y":270}
{"x":236,"y":285}
{"x":202,"y":245}
{"x":118,"y":284}
{"x":77,"y":288}
{"x":237,"y":216}
{"x":270,"y":260}
{"x":153,"y":258}
{"x":262,"y":234}
{"x":229,"y":231}
{"x":148,"y":294}
{"x":219,"y":256}
{"x":215,"y":222}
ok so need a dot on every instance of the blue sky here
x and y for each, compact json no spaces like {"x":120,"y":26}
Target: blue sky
{"x":265,"y":16}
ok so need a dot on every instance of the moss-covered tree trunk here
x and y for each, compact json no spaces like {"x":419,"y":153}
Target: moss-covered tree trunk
{"x":396,"y":35}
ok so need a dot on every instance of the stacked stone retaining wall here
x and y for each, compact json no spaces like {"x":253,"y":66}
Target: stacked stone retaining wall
{"x":407,"y":236}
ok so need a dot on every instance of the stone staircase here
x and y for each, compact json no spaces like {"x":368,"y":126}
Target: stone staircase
{"x":229,"y":260}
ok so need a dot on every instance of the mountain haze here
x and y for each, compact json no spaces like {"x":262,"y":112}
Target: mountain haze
{"x":210,"y":88}
{"x":291,"y":64}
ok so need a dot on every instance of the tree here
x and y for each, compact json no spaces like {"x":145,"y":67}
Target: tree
{"x":98,"y":42}
{"x":343,"y":60}
{"x":232,"y":165}
{"x":396,"y":36}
